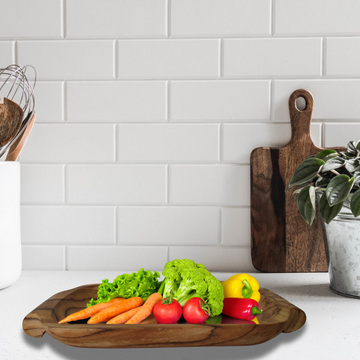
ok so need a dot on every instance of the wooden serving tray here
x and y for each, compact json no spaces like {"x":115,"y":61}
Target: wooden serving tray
{"x":279,"y":316}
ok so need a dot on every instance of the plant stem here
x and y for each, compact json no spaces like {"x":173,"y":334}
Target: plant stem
{"x":335,"y":172}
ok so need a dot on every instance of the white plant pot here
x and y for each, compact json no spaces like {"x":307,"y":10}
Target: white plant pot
{"x":10,"y":235}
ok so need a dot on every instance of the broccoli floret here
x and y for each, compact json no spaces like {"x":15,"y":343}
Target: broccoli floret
{"x":185,"y":279}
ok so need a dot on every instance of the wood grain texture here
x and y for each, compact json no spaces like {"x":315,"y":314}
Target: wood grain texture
{"x":279,"y":316}
{"x":281,"y":241}
{"x":19,"y":143}
{"x":11,"y":116}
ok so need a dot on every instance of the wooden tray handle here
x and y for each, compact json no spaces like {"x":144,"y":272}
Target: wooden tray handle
{"x":301,"y":119}
{"x":296,"y":318}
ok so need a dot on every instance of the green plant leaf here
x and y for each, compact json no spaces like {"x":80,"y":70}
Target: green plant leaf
{"x":306,"y":203}
{"x":328,"y":212}
{"x":333,"y":164}
{"x":353,"y":146}
{"x":323,"y":180}
{"x":324,"y":153}
{"x":338,"y":189}
{"x":355,"y":203}
{"x":353,"y":165}
{"x":305,"y":172}
{"x":356,"y":178}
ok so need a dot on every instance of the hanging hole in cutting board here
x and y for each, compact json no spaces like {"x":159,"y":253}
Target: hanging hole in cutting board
{"x":300,"y":103}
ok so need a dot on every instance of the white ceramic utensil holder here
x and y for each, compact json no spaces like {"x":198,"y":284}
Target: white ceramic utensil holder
{"x":10,"y":236}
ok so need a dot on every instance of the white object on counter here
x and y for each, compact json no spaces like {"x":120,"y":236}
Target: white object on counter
{"x":10,"y":235}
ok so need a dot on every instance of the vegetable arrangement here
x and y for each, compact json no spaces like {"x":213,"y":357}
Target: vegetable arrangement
{"x":188,"y":290}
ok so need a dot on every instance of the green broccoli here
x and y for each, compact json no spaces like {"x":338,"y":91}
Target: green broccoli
{"x":185,"y":279}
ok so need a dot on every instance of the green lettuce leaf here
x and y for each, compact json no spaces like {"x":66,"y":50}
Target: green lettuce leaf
{"x":142,"y":284}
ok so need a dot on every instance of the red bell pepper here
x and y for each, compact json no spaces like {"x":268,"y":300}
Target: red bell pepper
{"x":241,"y":308}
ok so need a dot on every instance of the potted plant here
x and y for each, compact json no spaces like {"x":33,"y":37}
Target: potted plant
{"x":330,"y":180}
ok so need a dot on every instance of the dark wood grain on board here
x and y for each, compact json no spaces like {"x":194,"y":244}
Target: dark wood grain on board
{"x":281,"y":241}
{"x":279,"y":316}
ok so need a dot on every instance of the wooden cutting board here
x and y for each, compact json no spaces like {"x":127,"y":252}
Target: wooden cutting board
{"x":281,"y":241}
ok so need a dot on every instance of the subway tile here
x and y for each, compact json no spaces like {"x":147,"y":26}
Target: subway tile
{"x":343,"y":56}
{"x":215,"y":258}
{"x":31,"y":19}
{"x":48,"y":101}
{"x":67,"y":143}
{"x":341,"y":134}
{"x":219,"y":17}
{"x":116,"y":184}
{"x":210,"y":184}
{"x":43,"y":257}
{"x":168,"y":142}
{"x":333,"y":99}
{"x":116,"y":101}
{"x":72,"y":59}
{"x":139,"y":59}
{"x":41,"y":184}
{"x":317,"y":17}
{"x":118,"y":18}
{"x":251,"y":136}
{"x":219,"y":100}
{"x":284,"y":57}
{"x":6,"y":52}
{"x":116,"y":257}
{"x":169,"y":225}
{"x":235,"y":226}
{"x":67,"y":225}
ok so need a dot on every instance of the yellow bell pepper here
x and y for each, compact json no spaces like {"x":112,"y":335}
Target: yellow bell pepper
{"x":241,"y":286}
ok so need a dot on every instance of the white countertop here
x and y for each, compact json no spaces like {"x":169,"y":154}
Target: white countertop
{"x":332,"y":329}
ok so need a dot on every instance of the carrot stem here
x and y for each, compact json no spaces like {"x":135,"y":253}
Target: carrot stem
{"x":90,"y":311}
{"x":146,"y":309}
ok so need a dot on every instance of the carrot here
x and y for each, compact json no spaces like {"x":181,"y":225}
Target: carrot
{"x":124,"y":317}
{"x":110,"y":312}
{"x":146,"y":309}
{"x":90,"y":311}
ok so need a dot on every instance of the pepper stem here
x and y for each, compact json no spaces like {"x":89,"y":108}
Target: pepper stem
{"x":255,"y":311}
{"x":247,"y":290}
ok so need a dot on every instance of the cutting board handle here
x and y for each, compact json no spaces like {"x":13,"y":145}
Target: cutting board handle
{"x":301,"y":119}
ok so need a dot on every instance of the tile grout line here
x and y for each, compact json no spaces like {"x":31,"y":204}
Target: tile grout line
{"x":15,"y":52}
{"x":115,"y":59}
{"x":116,"y":140}
{"x":167,"y":18}
{"x":221,"y":227}
{"x":167,"y":101}
{"x":116,"y":226}
{"x":63,"y":18}
{"x":64,"y":183}
{"x":324,"y":45}
{"x":221,"y":58}
{"x":167,"y":181}
{"x":272,"y":18}
{"x":271,"y":96}
{"x":220,"y":142}
{"x":63,"y":101}
{"x":65,"y":256}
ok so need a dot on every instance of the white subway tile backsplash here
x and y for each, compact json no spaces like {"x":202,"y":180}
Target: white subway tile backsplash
{"x":31,"y":19}
{"x":341,"y":133}
{"x":42,"y":257}
{"x":149,"y":59}
{"x":333,"y":98}
{"x":209,"y":184}
{"x":343,"y":56}
{"x":6,"y":54}
{"x":235,"y":226}
{"x":68,"y":59}
{"x":115,"y":18}
{"x":115,"y":101}
{"x":169,"y":225}
{"x":61,"y":143}
{"x":168,"y":142}
{"x":48,"y":101}
{"x":60,"y":225}
{"x":240,"y":139}
{"x":42,"y":184}
{"x":220,"y":17}
{"x":116,"y":257}
{"x":316,"y":17}
{"x":284,"y":57}
{"x":116,"y":184}
{"x":215,"y":258}
{"x":219,"y":100}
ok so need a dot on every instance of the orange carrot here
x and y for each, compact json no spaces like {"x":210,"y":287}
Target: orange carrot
{"x":124,"y":317}
{"x":146,"y":309}
{"x":149,"y":320}
{"x":110,"y":312}
{"x":90,"y":311}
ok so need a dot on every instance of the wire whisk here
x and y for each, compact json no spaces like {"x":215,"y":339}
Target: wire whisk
{"x":15,"y":86}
